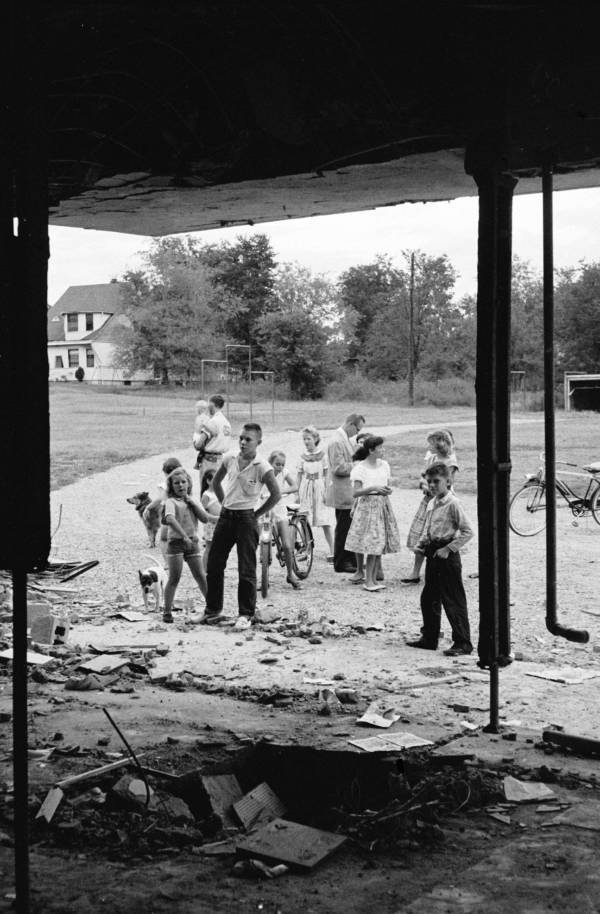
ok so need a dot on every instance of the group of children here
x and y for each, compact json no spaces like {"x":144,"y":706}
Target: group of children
{"x":437,"y":533}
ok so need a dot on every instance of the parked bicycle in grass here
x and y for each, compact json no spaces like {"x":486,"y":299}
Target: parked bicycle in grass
{"x":527,"y":513}
{"x":271,"y":540}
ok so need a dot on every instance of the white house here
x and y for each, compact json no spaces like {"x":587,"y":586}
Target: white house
{"x":83,"y":328}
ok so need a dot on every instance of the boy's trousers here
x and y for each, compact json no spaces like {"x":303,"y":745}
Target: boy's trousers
{"x":444,"y":587}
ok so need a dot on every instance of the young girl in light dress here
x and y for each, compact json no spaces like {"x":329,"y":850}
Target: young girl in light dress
{"x":440,"y":450}
{"x":373,"y":530}
{"x":279,"y":515}
{"x":312,"y":479}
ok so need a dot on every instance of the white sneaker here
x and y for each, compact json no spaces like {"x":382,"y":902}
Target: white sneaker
{"x":243,"y":623}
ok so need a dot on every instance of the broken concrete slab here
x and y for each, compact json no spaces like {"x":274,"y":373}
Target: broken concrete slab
{"x":583,"y":815}
{"x":222,"y":790}
{"x":33,"y":657}
{"x":288,"y":842}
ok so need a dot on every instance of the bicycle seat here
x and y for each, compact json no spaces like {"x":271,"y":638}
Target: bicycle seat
{"x":295,"y":508}
{"x":593,"y":467}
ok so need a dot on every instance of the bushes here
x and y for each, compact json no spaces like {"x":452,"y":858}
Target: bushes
{"x":446,"y":392}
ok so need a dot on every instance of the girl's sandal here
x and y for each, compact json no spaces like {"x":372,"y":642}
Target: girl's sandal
{"x":354,"y":580}
{"x":373,"y":588}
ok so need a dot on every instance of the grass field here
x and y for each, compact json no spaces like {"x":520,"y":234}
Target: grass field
{"x":93,"y":429}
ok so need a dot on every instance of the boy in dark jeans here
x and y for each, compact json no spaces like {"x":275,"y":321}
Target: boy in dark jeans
{"x":446,"y":531}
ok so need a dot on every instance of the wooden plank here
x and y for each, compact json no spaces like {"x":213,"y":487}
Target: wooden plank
{"x":259,"y":805}
{"x":95,"y":772}
{"x":288,"y":842}
{"x":223,"y":790}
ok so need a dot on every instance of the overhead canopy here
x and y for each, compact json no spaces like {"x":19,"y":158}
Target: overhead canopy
{"x":190,"y":114}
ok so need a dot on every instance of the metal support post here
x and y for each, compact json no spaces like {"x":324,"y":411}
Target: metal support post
{"x":552,"y":623}
{"x":493,"y":420}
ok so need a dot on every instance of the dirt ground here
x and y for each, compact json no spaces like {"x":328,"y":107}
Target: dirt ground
{"x":482,"y":864}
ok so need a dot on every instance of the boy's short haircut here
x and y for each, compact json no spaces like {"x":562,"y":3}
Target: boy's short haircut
{"x":253,"y":427}
{"x":218,"y":401}
{"x":355,"y":419}
{"x":438,"y":469}
{"x":170,"y":464}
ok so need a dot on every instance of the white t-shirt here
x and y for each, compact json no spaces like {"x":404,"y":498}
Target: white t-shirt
{"x":367,"y":475}
{"x":241,"y":488}
{"x":220,"y":434}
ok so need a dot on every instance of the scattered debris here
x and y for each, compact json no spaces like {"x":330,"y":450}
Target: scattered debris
{"x":378,"y":715}
{"x":256,"y":868}
{"x":580,"y":816}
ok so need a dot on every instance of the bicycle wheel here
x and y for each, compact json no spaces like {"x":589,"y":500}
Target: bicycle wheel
{"x":303,"y":547}
{"x":595,"y":505}
{"x":527,"y":513}
{"x":265,"y":561}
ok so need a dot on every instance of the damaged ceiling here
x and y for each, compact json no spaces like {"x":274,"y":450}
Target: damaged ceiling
{"x":195,"y":114}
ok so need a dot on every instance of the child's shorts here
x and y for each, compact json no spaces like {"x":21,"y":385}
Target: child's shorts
{"x":178,"y":547}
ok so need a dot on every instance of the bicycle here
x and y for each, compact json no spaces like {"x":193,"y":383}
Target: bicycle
{"x":303,"y":546}
{"x":527,"y":511}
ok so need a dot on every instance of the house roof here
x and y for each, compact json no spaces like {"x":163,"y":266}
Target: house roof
{"x":102,"y":297}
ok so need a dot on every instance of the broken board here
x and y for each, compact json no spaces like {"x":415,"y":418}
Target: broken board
{"x":259,"y":805}
{"x":288,"y":842}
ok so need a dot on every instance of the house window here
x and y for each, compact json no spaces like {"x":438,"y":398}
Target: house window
{"x":72,"y":323}
{"x":58,"y":361}
{"x":73,"y":358}
{"x":89,"y":322}
{"x":89,"y":358}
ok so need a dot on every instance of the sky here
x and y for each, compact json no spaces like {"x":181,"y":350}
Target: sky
{"x":331,"y":244}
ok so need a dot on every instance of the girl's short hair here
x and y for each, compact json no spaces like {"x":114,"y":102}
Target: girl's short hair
{"x":313,"y":432}
{"x":275,"y":454}
{"x":369,"y":444}
{"x":174,"y":473}
{"x":442,"y":435}
{"x":170,"y":464}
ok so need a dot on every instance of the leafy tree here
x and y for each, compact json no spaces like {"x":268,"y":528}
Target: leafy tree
{"x":174,"y":314}
{"x":363,"y":290}
{"x":298,"y":289}
{"x":246,"y":271}
{"x":527,"y":353}
{"x":386,"y":346}
{"x":577,"y":323}
{"x":295,"y":347}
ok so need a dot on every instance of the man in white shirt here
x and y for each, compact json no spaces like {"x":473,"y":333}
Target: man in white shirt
{"x":339,"y":488}
{"x":214,"y":438}
{"x":237,"y":484}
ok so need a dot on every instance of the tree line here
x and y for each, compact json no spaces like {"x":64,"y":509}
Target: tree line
{"x":383,"y":319}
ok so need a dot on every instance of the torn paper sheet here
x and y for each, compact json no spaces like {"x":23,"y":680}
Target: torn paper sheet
{"x":378,"y":714}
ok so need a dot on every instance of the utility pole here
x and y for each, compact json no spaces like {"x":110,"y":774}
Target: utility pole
{"x":411,"y":334}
